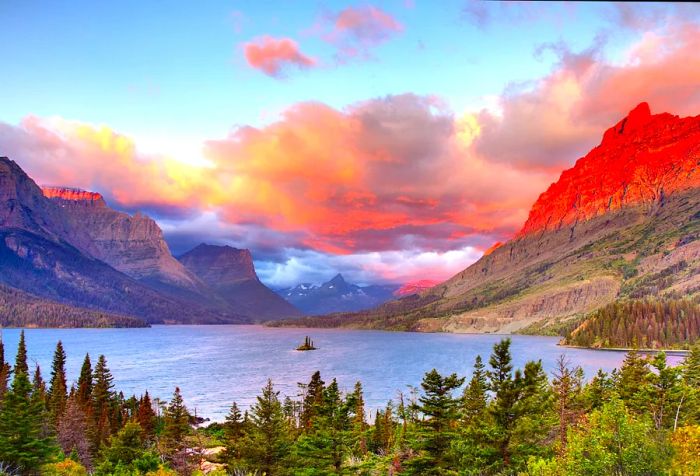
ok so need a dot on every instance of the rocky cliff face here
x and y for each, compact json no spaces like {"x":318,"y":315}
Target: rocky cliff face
{"x":230,"y":274}
{"x":22,"y":204}
{"x":58,"y":249}
{"x":641,"y":160}
{"x":219,"y":265}
{"x":132,"y":244}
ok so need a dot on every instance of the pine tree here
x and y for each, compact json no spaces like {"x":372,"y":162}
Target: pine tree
{"x":39,"y":386}
{"x":267,"y":443}
{"x":146,"y":416}
{"x":534,"y":418}
{"x":312,"y":400}
{"x":58,"y":391}
{"x":566,"y":384}
{"x":21,"y":358}
{"x":441,"y":410}
{"x":234,"y":429}
{"x":599,"y":390}
{"x":475,"y":393}
{"x":632,"y":380}
{"x":5,"y":370}
{"x":103,"y":402}
{"x":85,"y":382}
{"x":506,"y":391}
{"x":356,"y":404}
{"x":22,"y":442}
{"x":176,"y":421}
{"x":663,"y":391}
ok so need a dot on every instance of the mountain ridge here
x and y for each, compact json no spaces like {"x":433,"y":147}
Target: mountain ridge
{"x":336,"y":295}
{"x":579,"y":249}
{"x":68,"y":246}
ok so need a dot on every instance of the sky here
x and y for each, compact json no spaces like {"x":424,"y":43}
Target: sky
{"x":390,"y":141}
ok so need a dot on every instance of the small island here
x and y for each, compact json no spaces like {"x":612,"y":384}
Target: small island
{"x":307,"y":345}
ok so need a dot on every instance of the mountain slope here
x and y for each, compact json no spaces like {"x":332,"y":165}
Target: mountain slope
{"x":37,"y":255}
{"x":20,"y":309}
{"x":230,"y":274}
{"x":624,"y":221}
{"x":336,"y":295}
{"x":133,"y":245}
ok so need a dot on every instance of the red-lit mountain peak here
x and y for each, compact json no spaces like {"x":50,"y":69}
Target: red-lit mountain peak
{"x":643,"y":158}
{"x":72,"y":194}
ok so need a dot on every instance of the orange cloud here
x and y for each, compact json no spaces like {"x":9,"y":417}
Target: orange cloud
{"x":558,"y":120}
{"x":273,"y":56}
{"x":390,"y":173}
{"x":378,"y":175}
{"x":394,"y":173}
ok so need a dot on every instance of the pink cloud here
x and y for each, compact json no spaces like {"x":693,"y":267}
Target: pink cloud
{"x":562,"y":116}
{"x":273,"y":56}
{"x":355,"y":30}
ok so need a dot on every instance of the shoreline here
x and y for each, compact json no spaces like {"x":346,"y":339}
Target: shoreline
{"x":627,"y":349}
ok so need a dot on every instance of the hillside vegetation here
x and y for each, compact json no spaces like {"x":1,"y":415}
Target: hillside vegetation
{"x":648,"y":324}
{"x":19,"y":309}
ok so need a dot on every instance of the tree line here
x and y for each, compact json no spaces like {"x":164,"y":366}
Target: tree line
{"x":648,"y":323}
{"x":19,"y":309}
{"x":643,"y":419}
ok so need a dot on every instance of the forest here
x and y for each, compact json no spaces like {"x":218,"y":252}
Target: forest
{"x":641,"y":419}
{"x":648,"y":324}
{"x":20,"y":309}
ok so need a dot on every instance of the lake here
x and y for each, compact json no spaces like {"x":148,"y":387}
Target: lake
{"x":215,"y":365}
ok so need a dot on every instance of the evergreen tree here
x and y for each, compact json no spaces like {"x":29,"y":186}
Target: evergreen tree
{"x":506,"y":392}
{"x":176,"y":420}
{"x":126,"y":446}
{"x":632,"y":380}
{"x":356,"y":405}
{"x":146,"y":416}
{"x":475,"y":393}
{"x":599,"y":390}
{"x":267,"y":443}
{"x":22,"y":442}
{"x":567,"y":385}
{"x":39,"y":386}
{"x":85,"y":382}
{"x":441,"y":410}
{"x":21,"y":357}
{"x":58,"y":390}
{"x":323,"y":447}
{"x":664,"y":391}
{"x":534,"y":418}
{"x":5,"y":370}
{"x":691,"y":385}
{"x":312,"y":400}
{"x":103,"y":402}
{"x":234,"y":430}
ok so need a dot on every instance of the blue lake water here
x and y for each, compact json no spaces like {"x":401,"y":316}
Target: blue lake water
{"x":215,"y":365}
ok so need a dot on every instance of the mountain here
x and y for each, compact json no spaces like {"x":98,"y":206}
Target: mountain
{"x":230,"y":273}
{"x":623,"y":222}
{"x":415,"y":287}
{"x":133,"y":245}
{"x":336,"y":295}
{"x":45,"y":251}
